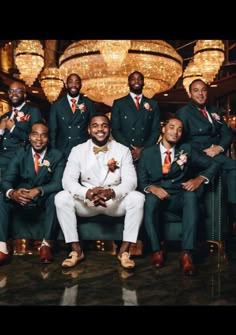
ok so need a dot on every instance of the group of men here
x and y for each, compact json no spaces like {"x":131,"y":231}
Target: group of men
{"x":73,"y":166}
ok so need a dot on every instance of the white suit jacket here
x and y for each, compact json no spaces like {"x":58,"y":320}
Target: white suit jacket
{"x":83,"y":170}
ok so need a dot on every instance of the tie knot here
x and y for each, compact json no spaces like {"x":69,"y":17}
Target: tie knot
{"x":73,"y":101}
{"x":168,"y":153}
{"x":36,"y":155}
{"x":15,"y":111}
{"x":96,"y":150}
{"x":203,"y":111}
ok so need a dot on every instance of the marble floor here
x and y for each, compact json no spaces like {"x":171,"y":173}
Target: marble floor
{"x":100,"y":281}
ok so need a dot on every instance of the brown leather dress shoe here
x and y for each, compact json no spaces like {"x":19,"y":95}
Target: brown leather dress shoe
{"x":45,"y":254}
{"x":186,"y":263}
{"x":4,"y":258}
{"x":158,"y":259}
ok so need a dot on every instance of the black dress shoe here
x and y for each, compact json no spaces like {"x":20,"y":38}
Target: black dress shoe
{"x":4,"y":258}
{"x":45,"y":254}
{"x":187,"y":265}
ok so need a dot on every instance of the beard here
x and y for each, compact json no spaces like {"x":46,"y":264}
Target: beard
{"x":100,"y":143}
{"x":18,"y":103}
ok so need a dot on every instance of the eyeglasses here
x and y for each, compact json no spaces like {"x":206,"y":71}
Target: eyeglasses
{"x":16,"y":90}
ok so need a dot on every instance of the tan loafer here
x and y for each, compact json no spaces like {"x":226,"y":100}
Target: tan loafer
{"x":125,"y":261}
{"x":73,"y":259}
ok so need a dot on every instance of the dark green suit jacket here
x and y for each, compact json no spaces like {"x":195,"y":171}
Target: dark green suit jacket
{"x":150,"y":168}
{"x":15,"y":139}
{"x":67,"y":129}
{"x":141,"y":127}
{"x":21,"y":172}
{"x":200,"y":132}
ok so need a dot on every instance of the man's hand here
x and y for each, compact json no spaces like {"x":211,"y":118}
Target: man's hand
{"x":99,"y":195}
{"x":23,"y":195}
{"x":159,"y":192}
{"x":213,"y":151}
{"x":3,"y":123}
{"x":136,"y":152}
{"x":193,"y":184}
{"x":9,"y":124}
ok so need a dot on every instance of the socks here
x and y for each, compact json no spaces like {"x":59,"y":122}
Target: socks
{"x":3,"y":247}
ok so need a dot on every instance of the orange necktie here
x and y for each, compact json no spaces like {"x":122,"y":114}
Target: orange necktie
{"x":137,"y":101}
{"x":73,"y":105}
{"x":204,"y":113}
{"x":36,"y":162}
{"x":167,"y":162}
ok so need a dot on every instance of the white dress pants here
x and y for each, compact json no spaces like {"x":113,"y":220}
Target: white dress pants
{"x":68,"y":207}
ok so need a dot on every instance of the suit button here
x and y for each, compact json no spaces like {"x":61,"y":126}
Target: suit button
{"x":172,"y":180}
{"x":4,"y":138}
{"x":69,"y":137}
{"x":132,"y":140}
{"x":132,"y":128}
{"x":125,"y":117}
{"x":78,"y":126}
{"x":69,"y":127}
{"x":142,"y":128}
{"x":4,"y":148}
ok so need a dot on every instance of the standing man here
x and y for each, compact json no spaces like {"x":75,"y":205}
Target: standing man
{"x":135,"y":119}
{"x":206,"y":130}
{"x":69,"y":116}
{"x":99,"y":178}
{"x":163,"y":175}
{"x":15,"y":125}
{"x":31,"y":182}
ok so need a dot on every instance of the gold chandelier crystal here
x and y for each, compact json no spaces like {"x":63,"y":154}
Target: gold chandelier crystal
{"x":209,"y":56}
{"x":51,"y":83}
{"x":29,"y":58}
{"x":156,"y":59}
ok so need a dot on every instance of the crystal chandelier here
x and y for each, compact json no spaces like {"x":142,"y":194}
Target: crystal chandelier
{"x":113,"y":52}
{"x":209,"y":56}
{"x":190,"y":74}
{"x":51,"y":83}
{"x":156,"y":59}
{"x":29,"y":58}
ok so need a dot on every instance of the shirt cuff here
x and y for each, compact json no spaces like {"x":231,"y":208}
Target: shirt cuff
{"x":11,"y":130}
{"x":2,"y":132}
{"x":206,"y":180}
{"x":145,"y":189}
{"x":7,"y":193}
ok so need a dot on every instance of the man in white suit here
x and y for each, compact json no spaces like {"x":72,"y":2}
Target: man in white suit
{"x":99,"y":178}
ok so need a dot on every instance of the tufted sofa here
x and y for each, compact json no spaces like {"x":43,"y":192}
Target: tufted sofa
{"x":213,"y":225}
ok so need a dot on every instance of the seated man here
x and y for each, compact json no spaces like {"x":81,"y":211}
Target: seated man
{"x":32,"y":180}
{"x":99,"y":178}
{"x":163,"y":175}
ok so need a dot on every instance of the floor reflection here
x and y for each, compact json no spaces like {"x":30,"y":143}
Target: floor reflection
{"x":101,"y":281}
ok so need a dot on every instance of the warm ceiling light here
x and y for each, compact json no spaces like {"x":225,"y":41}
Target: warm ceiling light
{"x":209,"y":56}
{"x":113,"y":52}
{"x":190,"y":74}
{"x":29,"y":58}
{"x":51,"y":83}
{"x":156,"y":59}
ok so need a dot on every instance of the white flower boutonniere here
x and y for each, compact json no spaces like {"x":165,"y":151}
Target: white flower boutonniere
{"x":21,"y":117}
{"x":147,"y":106}
{"x":81,"y":107}
{"x":47,"y":164}
{"x":181,"y":158}
{"x":216,"y":117}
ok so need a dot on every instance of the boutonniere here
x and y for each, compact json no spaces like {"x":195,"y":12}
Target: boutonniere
{"x":47,"y":164}
{"x":22,"y":117}
{"x":181,"y":158}
{"x":216,"y":117}
{"x":147,"y":106}
{"x":81,"y":107}
{"x":112,"y":165}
